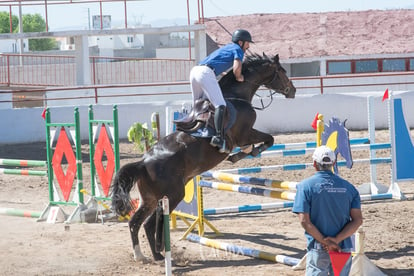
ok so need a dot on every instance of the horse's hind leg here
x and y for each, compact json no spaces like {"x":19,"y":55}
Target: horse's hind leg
{"x":134,"y":225}
{"x":149,"y":227}
{"x":174,"y":198}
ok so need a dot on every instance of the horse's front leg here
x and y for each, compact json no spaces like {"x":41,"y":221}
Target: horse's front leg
{"x":237,"y":156}
{"x":267,"y":142}
{"x":253,"y":137}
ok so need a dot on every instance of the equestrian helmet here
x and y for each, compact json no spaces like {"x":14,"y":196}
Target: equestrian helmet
{"x":242,"y":35}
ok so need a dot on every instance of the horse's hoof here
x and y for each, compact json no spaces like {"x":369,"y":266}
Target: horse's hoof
{"x":158,"y":257}
{"x":255,"y":152}
{"x":142,"y":259}
{"x":231,"y":159}
{"x":224,"y":150}
{"x":139,"y":257}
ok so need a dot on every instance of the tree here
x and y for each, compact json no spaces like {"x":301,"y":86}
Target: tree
{"x":5,"y":22}
{"x":35,"y":23}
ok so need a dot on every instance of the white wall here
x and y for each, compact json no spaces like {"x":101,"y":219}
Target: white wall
{"x":177,"y":53}
{"x":284,"y":115}
{"x":12,"y":45}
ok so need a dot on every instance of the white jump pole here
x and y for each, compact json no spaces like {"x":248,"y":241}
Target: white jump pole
{"x":167,"y":242}
{"x":372,"y":153}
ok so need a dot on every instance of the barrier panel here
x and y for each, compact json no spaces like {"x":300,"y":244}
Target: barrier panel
{"x":103,"y":141}
{"x":63,"y":146}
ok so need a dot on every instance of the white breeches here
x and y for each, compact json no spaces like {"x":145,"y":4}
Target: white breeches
{"x":204,"y":85}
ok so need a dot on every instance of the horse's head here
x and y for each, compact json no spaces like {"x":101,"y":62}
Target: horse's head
{"x":280,"y":81}
{"x":257,"y":71}
{"x":270,"y":73}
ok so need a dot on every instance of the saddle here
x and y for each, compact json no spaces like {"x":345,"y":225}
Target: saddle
{"x":200,"y":121}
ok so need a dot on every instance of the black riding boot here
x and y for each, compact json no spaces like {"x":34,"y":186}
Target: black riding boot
{"x":218,"y":140}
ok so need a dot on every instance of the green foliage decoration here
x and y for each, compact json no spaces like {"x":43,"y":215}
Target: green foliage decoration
{"x":141,"y":136}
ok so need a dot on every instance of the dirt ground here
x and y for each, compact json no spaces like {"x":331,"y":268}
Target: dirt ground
{"x":28,"y":247}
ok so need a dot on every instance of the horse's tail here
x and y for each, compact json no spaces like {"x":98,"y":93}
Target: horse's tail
{"x":122,"y":184}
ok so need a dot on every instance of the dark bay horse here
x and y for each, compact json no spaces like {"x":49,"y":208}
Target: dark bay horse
{"x":175,"y":159}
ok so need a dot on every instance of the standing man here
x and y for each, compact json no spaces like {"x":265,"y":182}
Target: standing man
{"x":204,"y":82}
{"x":329,"y":209}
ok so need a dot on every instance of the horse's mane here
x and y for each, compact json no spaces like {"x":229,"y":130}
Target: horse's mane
{"x":250,"y":62}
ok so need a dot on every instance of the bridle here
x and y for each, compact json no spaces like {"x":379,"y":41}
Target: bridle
{"x":271,"y":91}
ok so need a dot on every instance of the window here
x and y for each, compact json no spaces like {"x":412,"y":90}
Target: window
{"x":369,"y":66}
{"x":364,"y":66}
{"x":339,"y":67}
{"x":390,"y":65}
{"x":411,"y":64}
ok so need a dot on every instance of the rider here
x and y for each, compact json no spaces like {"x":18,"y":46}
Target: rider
{"x":204,"y":82}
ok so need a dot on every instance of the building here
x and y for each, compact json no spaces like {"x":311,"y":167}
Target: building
{"x":320,"y":44}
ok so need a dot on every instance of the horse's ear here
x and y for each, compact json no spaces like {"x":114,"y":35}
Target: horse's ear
{"x":265,"y":56}
{"x":276,"y":58}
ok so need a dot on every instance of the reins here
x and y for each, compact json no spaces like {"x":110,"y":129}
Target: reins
{"x":271,"y":93}
{"x":263,"y":107}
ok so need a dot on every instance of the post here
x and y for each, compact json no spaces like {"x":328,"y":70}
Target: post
{"x":78,"y":154}
{"x":166,"y":213}
{"x":49,"y":155}
{"x":91,"y":149}
{"x":372,"y":152}
{"x":116,"y":137}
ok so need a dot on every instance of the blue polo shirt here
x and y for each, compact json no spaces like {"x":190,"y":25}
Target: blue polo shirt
{"x":222,"y":59}
{"x":328,"y":199}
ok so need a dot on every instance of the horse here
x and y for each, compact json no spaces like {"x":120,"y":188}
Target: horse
{"x":178,"y":157}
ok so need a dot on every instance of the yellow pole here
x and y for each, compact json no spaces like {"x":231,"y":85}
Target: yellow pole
{"x":319,"y":130}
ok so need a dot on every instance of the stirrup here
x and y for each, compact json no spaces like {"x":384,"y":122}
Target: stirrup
{"x":217,"y":141}
{"x":224,"y":149}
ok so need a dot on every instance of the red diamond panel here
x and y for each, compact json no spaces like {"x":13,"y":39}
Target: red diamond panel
{"x":104,"y":175}
{"x":63,"y":147}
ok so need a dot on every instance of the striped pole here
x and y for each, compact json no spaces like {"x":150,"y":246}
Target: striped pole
{"x":22,"y":172}
{"x":244,"y":251}
{"x":248,"y":208}
{"x":277,"y":205}
{"x":312,"y":144}
{"x":166,"y":213}
{"x":247,"y":190}
{"x":375,"y":197}
{"x":19,"y":213}
{"x":236,"y":178}
{"x":22,"y":163}
{"x":292,"y":167}
{"x":296,"y":152}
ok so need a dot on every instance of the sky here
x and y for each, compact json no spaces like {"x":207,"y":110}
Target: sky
{"x":174,"y":12}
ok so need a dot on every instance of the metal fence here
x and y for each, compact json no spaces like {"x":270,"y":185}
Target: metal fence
{"x":60,"y":70}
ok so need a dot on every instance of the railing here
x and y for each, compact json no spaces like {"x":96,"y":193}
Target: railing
{"x":109,"y":70}
{"x":36,"y":70}
{"x":351,"y":83}
{"x":60,"y":70}
{"x":94,"y":94}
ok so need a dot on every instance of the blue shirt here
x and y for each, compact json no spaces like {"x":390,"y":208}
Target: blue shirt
{"x":328,"y":199}
{"x":222,"y":59}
